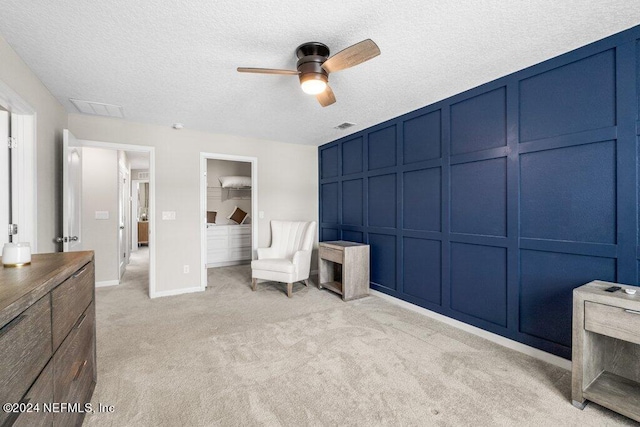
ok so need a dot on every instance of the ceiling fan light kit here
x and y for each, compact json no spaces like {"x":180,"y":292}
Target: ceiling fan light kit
{"x":314,"y":66}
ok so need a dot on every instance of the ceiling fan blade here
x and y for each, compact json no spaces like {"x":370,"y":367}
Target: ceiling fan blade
{"x":351,"y":56}
{"x":267,"y":71}
{"x":326,"y":97}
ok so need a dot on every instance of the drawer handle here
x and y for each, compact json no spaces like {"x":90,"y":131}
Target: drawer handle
{"x":12,"y":324}
{"x":80,"y":369}
{"x":81,"y":321}
{"x":75,"y":276}
{"x":633,"y":311}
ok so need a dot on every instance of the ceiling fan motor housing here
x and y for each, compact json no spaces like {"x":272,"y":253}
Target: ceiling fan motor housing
{"x":311,"y":56}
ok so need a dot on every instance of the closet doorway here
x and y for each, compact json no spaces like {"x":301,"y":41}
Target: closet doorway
{"x":228,"y":207}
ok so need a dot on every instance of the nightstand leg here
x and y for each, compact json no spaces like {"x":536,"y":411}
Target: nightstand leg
{"x":579,"y":405}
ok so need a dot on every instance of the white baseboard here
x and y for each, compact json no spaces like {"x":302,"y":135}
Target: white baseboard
{"x":173,"y":292}
{"x":228,"y":263}
{"x":105,"y":283}
{"x":498,"y":339}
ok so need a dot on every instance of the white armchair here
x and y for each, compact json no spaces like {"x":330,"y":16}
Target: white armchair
{"x":288,"y":260}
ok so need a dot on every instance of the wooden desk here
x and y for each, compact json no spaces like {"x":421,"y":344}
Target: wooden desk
{"x":344,"y":268}
{"x":606,"y":348}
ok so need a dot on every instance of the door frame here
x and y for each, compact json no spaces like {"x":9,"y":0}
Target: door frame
{"x":24,"y":176}
{"x":203,"y":206}
{"x":152,"y":199}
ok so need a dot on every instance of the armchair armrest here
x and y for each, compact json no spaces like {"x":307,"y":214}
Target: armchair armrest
{"x":266,"y":253}
{"x":302,"y":262}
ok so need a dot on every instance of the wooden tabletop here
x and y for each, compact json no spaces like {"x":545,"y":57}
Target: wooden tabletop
{"x":22,"y":286}
{"x":342,"y":244}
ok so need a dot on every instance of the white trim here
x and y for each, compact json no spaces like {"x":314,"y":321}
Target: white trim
{"x":203,"y":206}
{"x":106,"y":283}
{"x":505,"y":342}
{"x":152,"y":199}
{"x":23,"y":118}
{"x":228,"y":263}
{"x":174,"y":292}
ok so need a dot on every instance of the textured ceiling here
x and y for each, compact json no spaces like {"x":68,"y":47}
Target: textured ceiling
{"x":175,"y":61}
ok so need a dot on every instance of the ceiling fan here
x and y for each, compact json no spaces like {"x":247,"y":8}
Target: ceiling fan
{"x":314,"y":66}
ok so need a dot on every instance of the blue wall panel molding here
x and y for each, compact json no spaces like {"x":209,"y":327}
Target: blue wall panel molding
{"x":493,"y":205}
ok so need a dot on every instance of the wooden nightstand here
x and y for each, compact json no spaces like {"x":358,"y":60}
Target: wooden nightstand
{"x":606,"y":348}
{"x":344,"y":268}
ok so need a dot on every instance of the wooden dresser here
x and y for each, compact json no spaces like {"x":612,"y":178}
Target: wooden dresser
{"x":47,"y":339}
{"x":143,"y":233}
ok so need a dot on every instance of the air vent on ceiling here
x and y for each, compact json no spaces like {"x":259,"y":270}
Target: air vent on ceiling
{"x":143,"y":175}
{"x":344,"y":125}
{"x":98,"y":108}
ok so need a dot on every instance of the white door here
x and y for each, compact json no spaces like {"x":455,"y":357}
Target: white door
{"x":5,"y":194}
{"x":71,"y":193}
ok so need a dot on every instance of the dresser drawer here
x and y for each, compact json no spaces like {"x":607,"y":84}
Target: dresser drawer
{"x":41,"y":392}
{"x":25,"y":348}
{"x":217,"y":231}
{"x":69,"y":300}
{"x":214,"y":242}
{"x":239,"y":254}
{"x":331,"y":254}
{"x":239,"y":241}
{"x":217,"y":255}
{"x":240,"y":230}
{"x":74,"y":367}
{"x":612,"y":321}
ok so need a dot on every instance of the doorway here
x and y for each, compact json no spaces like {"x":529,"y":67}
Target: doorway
{"x":17,"y":163}
{"x":109,"y":212}
{"x":215,"y":194}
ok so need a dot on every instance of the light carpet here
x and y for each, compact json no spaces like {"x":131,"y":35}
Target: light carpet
{"x":229,"y":356}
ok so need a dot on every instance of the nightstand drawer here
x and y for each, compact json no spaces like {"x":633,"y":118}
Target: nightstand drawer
{"x":612,"y":321}
{"x":330,"y":254}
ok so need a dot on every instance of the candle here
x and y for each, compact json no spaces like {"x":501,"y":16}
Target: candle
{"x":16,"y":254}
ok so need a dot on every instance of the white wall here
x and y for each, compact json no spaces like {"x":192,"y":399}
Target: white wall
{"x":100,"y":193}
{"x":287,"y":180}
{"x":224,"y":207}
{"x":51,"y":119}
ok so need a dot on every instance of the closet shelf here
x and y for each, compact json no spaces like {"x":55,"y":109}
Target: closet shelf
{"x":221,"y":193}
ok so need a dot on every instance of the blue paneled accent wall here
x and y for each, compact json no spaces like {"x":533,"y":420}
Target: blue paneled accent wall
{"x":491,"y":206}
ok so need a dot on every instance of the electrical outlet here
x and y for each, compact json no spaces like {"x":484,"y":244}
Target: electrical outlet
{"x":185,"y":269}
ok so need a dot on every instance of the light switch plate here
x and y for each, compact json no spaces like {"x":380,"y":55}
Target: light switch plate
{"x":168,"y":215}
{"x":102,"y":215}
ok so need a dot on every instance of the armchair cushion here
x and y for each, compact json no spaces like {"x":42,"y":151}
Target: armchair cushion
{"x":273,"y":264}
